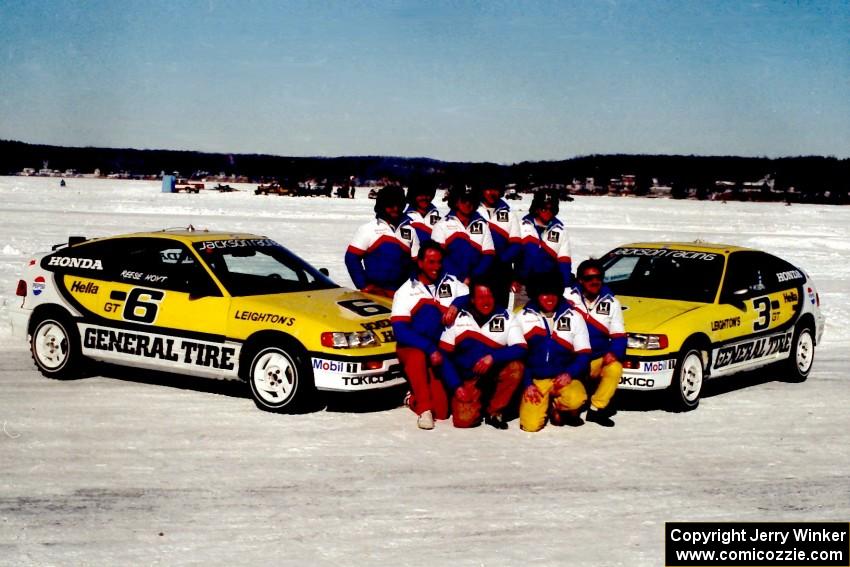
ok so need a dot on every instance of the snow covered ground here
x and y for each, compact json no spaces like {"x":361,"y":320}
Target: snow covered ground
{"x":141,"y":468}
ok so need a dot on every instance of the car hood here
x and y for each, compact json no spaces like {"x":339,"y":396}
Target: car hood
{"x":320,"y":306}
{"x":646,"y":315}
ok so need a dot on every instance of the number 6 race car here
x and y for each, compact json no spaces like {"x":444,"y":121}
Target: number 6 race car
{"x":696,"y":311}
{"x":212,"y":304}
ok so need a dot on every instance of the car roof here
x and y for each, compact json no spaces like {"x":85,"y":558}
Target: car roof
{"x":695,"y":246}
{"x":187,"y":235}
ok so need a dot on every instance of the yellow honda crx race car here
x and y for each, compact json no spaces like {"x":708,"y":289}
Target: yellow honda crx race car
{"x":211,"y":304}
{"x":694,"y":311}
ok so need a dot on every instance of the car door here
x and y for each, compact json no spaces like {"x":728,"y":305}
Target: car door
{"x":161,"y":310}
{"x":758,"y":309}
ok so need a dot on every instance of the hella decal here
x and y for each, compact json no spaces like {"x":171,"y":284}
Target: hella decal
{"x":81,"y":287}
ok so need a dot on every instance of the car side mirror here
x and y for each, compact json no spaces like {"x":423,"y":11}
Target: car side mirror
{"x":200,"y":286}
{"x":325,"y":272}
{"x":736,"y":298}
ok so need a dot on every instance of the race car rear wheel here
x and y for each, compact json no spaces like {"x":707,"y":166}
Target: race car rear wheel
{"x":280,"y":378}
{"x":687,"y":381}
{"x":55,"y":346}
{"x":802,"y":355}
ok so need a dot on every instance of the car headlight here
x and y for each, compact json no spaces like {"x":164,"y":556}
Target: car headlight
{"x":354,"y":339}
{"x":647,"y":342}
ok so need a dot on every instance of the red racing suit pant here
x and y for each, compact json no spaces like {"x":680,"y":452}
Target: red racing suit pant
{"x":427,"y":390}
{"x":498,"y":386}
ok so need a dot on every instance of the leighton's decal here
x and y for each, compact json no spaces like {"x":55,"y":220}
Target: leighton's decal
{"x":264,"y":317}
{"x":727,"y":323}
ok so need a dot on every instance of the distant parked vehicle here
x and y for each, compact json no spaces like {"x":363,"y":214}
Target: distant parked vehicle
{"x":188,"y":186}
{"x":224,"y":188}
{"x":273,"y":188}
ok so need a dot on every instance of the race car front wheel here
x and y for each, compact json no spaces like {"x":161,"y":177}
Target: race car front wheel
{"x":280,"y":379}
{"x":687,"y":381}
{"x":799,"y":362}
{"x":55,"y":346}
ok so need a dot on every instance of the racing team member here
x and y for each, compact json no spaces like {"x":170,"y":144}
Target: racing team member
{"x":558,"y":354}
{"x":604,"y":317}
{"x":465,"y":235}
{"x":483,"y":365}
{"x":420,"y":209}
{"x":380,"y":256}
{"x":504,"y":228}
{"x":545,"y":246}
{"x":419,"y":307}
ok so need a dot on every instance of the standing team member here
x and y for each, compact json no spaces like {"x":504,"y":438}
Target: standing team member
{"x":558,"y":354}
{"x":420,"y":209}
{"x":504,"y":228}
{"x":483,"y":365}
{"x":419,"y":307}
{"x":465,"y":236}
{"x":604,"y":317}
{"x":380,"y":256}
{"x":545,"y":246}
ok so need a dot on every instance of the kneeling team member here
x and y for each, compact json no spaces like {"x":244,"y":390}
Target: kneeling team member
{"x":483,"y":365}
{"x":558,"y":354}
{"x":604,"y":317}
{"x":419,"y":307}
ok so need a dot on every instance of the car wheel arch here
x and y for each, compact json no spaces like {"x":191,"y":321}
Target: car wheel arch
{"x":702,"y":343}
{"x":48,"y":310}
{"x":808,"y":320}
{"x":264,"y":338}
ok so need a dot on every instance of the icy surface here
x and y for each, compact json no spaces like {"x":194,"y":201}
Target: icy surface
{"x":135,"y":468}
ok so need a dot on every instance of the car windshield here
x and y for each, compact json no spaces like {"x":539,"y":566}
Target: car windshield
{"x":664,"y":273}
{"x":259,"y":266}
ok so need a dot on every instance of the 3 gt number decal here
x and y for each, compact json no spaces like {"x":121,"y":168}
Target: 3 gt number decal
{"x":762,"y":307}
{"x":142,"y":305}
{"x":364,"y":307}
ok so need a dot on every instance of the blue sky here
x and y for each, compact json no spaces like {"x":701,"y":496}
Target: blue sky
{"x":477,"y":81}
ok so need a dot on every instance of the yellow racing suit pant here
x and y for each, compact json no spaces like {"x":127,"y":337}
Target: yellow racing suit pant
{"x":603,"y":381}
{"x":532,"y":416}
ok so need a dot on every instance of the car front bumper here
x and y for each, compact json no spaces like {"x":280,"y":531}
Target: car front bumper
{"x":352,"y":374}
{"x":644,"y":374}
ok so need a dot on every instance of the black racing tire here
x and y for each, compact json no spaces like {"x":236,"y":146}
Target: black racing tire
{"x":280,"y":377}
{"x":55,"y":346}
{"x":799,"y":363}
{"x":688,"y":380}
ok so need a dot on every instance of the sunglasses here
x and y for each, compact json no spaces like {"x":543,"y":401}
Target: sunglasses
{"x":591,"y":277}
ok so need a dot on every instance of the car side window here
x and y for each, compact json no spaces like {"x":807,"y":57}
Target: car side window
{"x":747,"y":276}
{"x":162,"y":264}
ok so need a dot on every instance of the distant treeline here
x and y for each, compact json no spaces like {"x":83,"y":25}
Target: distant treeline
{"x":820,"y":178}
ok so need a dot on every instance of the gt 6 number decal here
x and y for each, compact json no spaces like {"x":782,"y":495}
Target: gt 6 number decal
{"x":142,"y":305}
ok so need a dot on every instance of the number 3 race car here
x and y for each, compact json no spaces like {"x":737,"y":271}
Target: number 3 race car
{"x":697,"y":311}
{"x":211,"y":304}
